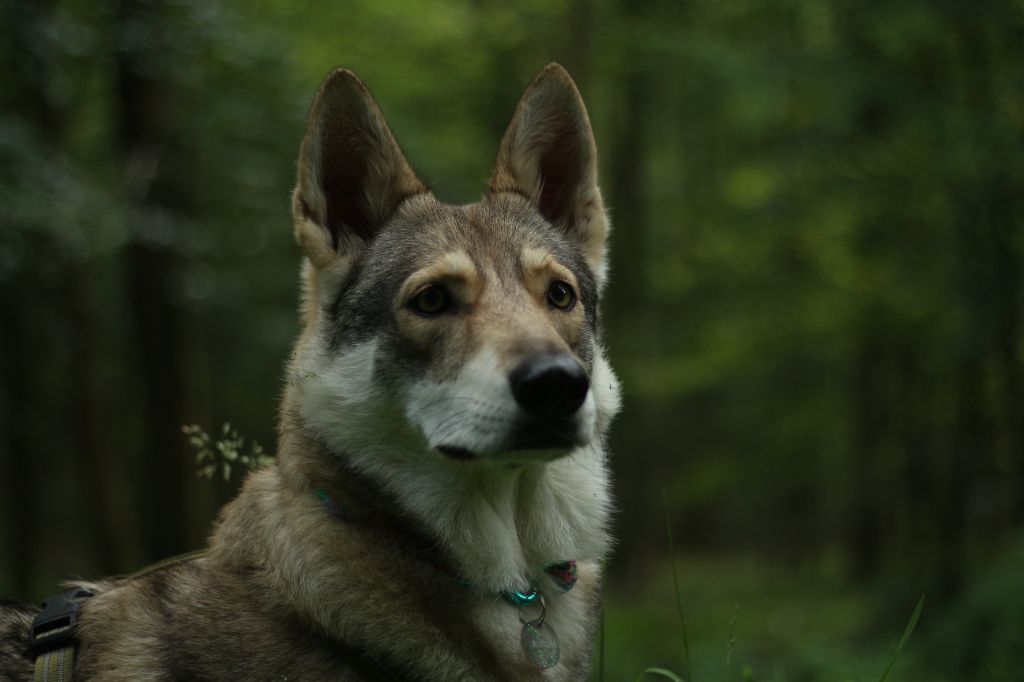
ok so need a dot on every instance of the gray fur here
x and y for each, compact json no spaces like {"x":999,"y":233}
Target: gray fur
{"x":288,"y":590}
{"x":15,"y":621}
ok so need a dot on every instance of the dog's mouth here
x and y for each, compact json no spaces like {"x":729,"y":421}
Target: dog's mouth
{"x":542,"y":442}
{"x":457,"y":452}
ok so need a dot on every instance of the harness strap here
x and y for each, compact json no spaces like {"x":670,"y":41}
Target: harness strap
{"x":57,"y":665}
{"x":52,"y":639}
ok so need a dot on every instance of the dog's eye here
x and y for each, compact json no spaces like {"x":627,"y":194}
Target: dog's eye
{"x":561,"y":295}
{"x":431,"y":301}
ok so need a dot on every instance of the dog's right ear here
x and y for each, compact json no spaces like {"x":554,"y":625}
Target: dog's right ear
{"x":352,"y":175}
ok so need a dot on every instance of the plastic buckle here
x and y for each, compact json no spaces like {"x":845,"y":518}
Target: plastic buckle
{"x":54,"y":626}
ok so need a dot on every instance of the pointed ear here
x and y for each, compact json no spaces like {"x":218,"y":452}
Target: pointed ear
{"x":352,"y":175}
{"x":548,"y":155}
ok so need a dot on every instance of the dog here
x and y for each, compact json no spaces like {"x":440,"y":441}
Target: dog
{"x":439,"y":505}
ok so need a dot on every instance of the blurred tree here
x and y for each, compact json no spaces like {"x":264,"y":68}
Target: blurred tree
{"x":158,"y":188}
{"x":815,"y":301}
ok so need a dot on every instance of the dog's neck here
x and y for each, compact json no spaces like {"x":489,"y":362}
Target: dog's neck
{"x":496,"y":525}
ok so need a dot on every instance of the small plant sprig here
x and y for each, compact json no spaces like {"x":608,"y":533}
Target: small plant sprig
{"x":225,"y":452}
{"x":675,"y":582}
{"x":731,"y":646}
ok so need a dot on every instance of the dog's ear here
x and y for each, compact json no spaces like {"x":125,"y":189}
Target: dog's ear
{"x":548,"y":155}
{"x":352,"y":174}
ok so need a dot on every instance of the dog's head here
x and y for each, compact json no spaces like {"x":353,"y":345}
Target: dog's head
{"x":452,"y":332}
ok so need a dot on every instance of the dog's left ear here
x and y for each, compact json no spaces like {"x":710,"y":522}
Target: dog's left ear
{"x":548,"y":155}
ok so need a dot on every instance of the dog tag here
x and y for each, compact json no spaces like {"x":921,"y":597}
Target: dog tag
{"x":540,"y":644}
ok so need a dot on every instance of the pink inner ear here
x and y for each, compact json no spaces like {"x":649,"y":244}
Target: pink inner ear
{"x":342,"y":177}
{"x":561,"y":172}
{"x":355,"y":161}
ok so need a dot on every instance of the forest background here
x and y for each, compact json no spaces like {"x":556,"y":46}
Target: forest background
{"x":816,"y":307}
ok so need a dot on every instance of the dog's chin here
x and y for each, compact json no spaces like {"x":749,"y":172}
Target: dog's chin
{"x":515,"y":453}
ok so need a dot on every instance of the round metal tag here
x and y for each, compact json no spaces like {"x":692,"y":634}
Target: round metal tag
{"x":540,"y":644}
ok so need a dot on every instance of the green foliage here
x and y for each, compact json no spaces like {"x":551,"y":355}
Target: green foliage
{"x":980,"y":633}
{"x":903,"y":640}
{"x":815,"y":307}
{"x":675,"y":584}
{"x":659,"y":672}
{"x":816,"y":658}
{"x":747,"y":672}
{"x":730,"y":647}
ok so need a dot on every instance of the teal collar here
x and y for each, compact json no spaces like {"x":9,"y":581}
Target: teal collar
{"x":537,"y":638}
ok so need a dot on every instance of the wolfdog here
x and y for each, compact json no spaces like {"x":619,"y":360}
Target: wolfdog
{"x":439,"y":505}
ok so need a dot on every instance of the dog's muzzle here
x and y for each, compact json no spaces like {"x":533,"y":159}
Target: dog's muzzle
{"x":549,"y":390}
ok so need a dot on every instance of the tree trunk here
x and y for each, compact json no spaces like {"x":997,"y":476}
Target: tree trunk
{"x":18,"y":470}
{"x":623,"y":183}
{"x":32,"y":69}
{"x":92,"y":456}
{"x":864,"y":533}
{"x":143,"y":82}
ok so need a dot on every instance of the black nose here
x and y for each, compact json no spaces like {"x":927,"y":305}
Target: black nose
{"x":553,"y":385}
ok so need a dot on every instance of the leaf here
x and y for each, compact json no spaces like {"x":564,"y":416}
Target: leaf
{"x":662,"y":672}
{"x":903,"y":640}
{"x":730,"y":647}
{"x":675,"y":582}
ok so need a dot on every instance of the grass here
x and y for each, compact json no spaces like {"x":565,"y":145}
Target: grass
{"x":796,"y":626}
{"x":806,"y":622}
{"x":802,"y":627}
{"x":906,"y":636}
{"x":660,"y":672}
{"x":678,"y":593}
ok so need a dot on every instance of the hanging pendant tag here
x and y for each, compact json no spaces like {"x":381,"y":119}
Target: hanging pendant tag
{"x":538,"y":639}
{"x":540,"y":644}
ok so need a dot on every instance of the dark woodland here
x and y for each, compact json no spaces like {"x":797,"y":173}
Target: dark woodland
{"x":816,"y":306}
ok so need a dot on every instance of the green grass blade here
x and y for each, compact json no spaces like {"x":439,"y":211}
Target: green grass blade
{"x":903,"y":640}
{"x":600,"y":641}
{"x":675,"y":582}
{"x":730,"y":647}
{"x":660,"y":671}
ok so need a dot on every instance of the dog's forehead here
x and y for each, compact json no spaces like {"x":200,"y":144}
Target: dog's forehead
{"x":493,"y":232}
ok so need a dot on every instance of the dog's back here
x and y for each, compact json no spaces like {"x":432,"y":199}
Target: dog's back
{"x":15,"y":660}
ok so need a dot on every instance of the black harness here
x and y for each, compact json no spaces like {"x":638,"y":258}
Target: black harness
{"x":52,"y":640}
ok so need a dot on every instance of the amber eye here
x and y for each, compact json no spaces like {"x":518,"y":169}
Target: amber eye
{"x":431,"y":301}
{"x":561,"y":295}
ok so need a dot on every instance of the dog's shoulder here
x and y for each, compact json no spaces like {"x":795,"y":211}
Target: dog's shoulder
{"x":199,"y":619}
{"x":16,"y":662}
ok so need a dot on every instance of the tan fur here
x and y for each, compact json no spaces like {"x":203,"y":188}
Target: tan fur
{"x":365,"y":128}
{"x":289,"y":591}
{"x":465,"y":282}
{"x":539,"y":269}
{"x":552,"y":108}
